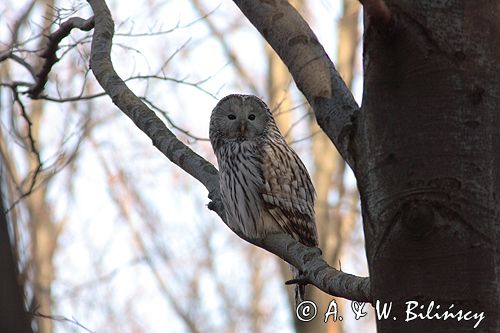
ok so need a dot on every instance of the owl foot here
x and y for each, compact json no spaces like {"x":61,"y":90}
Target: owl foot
{"x":300,"y":280}
{"x":215,"y":205}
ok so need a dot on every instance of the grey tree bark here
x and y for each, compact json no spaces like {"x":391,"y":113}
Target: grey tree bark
{"x":427,"y":159}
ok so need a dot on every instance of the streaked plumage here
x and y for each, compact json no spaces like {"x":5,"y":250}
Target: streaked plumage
{"x":265,"y":187}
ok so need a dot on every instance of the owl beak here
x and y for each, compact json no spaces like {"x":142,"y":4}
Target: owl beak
{"x":242,"y":129}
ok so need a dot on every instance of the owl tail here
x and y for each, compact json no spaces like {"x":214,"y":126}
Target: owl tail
{"x":300,"y":289}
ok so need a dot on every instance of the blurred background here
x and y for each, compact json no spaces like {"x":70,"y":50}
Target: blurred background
{"x":109,"y":235}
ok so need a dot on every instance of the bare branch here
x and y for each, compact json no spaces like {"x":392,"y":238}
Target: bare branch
{"x":167,"y":31}
{"x":196,"y":85}
{"x":78,"y":98}
{"x":10,"y":55}
{"x":312,"y":70}
{"x":52,"y":46}
{"x":307,"y":259}
{"x":62,"y":319}
{"x":21,"y":20}
{"x":31,"y":141}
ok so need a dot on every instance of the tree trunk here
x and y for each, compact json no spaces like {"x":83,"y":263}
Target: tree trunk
{"x":43,"y":227}
{"x":13,"y":316}
{"x":427,"y":157}
{"x":44,"y":236}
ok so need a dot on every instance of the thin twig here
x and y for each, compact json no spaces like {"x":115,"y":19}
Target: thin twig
{"x":10,"y":55}
{"x":167,"y":31}
{"x":61,"y":319}
{"x":21,"y":20}
{"x":180,"y":81}
{"x":167,"y":118}
{"x":72,"y":98}
{"x":33,"y":148}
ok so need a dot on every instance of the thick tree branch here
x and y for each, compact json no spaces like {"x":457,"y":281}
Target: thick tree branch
{"x":316,"y":271}
{"x":52,"y":46}
{"x":312,"y":70}
{"x":308,"y":260}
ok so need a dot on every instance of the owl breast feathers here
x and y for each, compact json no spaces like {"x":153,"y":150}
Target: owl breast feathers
{"x":265,"y":187}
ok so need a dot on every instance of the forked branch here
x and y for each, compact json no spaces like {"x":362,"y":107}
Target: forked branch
{"x":49,"y":54}
{"x":308,"y":260}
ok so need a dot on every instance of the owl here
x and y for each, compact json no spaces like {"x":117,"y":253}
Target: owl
{"x":265,"y":187}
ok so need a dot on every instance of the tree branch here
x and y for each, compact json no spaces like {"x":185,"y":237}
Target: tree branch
{"x":10,"y":55}
{"x":30,"y":140}
{"x":311,"y":68}
{"x":138,"y":112}
{"x":52,"y":46}
{"x":307,"y":259}
{"x":316,"y":271}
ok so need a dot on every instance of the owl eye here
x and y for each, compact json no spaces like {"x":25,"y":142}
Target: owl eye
{"x":231,"y":116}
{"x":251,"y":117}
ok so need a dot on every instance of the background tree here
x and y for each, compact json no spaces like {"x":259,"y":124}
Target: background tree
{"x":13,"y":316}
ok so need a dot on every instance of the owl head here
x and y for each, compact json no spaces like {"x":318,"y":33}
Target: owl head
{"x":239,"y":118}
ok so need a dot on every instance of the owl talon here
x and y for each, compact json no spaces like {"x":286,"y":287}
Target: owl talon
{"x":215,"y":205}
{"x":300,"y":280}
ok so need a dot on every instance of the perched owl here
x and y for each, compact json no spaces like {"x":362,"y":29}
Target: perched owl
{"x":264,"y":186}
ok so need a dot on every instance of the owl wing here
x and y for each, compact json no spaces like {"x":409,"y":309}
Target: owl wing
{"x":288,"y":193}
